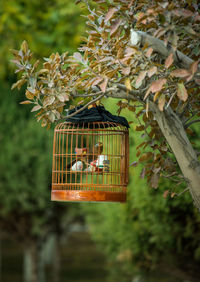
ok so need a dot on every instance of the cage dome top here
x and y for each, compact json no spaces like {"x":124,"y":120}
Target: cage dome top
{"x":95,"y":114}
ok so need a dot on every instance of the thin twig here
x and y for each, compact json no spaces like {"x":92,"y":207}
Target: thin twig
{"x":84,"y":107}
{"x":170,"y":100}
{"x":186,"y":189}
{"x":123,"y":87}
{"x":191,"y":122}
{"x":92,"y":94}
{"x":86,"y":95}
{"x":89,"y":9}
{"x":193,"y":114}
{"x":145,"y":130}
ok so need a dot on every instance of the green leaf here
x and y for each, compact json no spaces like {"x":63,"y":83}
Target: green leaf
{"x":182,"y":92}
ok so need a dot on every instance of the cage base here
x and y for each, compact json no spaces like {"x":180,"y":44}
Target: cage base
{"x":87,"y":196}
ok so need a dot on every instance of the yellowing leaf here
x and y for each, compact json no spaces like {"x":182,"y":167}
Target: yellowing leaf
{"x":139,"y":128}
{"x":43,"y":71}
{"x":115,"y":26}
{"x":96,"y":81}
{"x":149,"y":52}
{"x":109,"y":14}
{"x":15,"y":52}
{"x":126,"y":71}
{"x":24,"y":47}
{"x":25,"y":102}
{"x":78,"y":56}
{"x":140,"y":78}
{"x":36,"y":108}
{"x":146,"y":157}
{"x":161,"y":102}
{"x":48,"y":101}
{"x":155,"y":86}
{"x":158,"y":84}
{"x":165,"y":194}
{"x":61,"y":97}
{"x":130,"y":51}
{"x":169,"y":60}
{"x":103,"y":85}
{"x":152,"y":71}
{"x":154,"y":180}
{"x":194,"y":67}
{"x":147,"y":108}
{"x":51,"y":117}
{"x":91,"y":17}
{"x":44,"y":123}
{"x":29,"y":95}
{"x":173,"y":194}
{"x":18,"y":84}
{"x":128,"y":84}
{"x":180,"y":73}
{"x":156,"y":96}
{"x":36,"y":64}
{"x":182,"y":92}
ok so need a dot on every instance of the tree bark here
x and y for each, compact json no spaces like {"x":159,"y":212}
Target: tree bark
{"x":30,"y":263}
{"x":173,"y":130}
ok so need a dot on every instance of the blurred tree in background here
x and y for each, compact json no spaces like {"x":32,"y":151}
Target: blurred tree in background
{"x":49,"y":26}
{"x":26,"y":213}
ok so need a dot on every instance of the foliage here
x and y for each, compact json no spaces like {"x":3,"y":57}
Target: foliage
{"x":25,"y":174}
{"x":109,"y":62}
{"x":26,"y":210}
{"x":53,"y":25}
{"x":25,"y":161}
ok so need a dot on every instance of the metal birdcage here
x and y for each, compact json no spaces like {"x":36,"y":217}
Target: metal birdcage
{"x":90,"y":162}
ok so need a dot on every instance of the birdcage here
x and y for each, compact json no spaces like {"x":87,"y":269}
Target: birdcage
{"x":90,"y":162}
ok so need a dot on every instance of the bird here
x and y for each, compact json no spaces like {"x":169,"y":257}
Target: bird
{"x":86,"y":155}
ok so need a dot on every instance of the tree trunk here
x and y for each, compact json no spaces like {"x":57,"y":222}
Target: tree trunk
{"x":30,"y":263}
{"x":56,"y":261}
{"x":41,"y":265}
{"x":173,"y":130}
{"x":51,"y":256}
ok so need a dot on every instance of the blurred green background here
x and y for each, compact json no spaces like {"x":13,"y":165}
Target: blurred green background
{"x":149,"y":238}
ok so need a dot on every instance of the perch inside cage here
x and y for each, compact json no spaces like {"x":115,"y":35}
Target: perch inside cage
{"x":90,"y":162}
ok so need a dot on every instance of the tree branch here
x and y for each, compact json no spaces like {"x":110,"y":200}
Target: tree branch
{"x":118,"y":91}
{"x":140,"y":37}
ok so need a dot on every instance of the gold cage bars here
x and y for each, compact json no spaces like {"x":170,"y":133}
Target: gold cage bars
{"x":90,"y":162}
